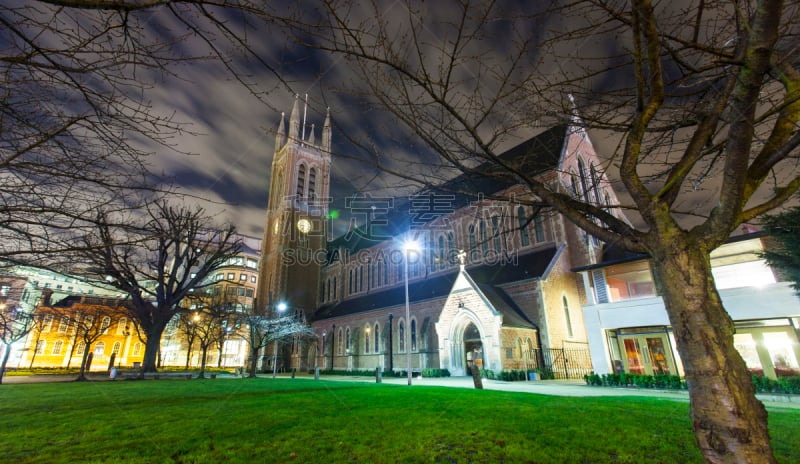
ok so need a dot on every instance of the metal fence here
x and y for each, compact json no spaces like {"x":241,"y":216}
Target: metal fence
{"x":563,"y":363}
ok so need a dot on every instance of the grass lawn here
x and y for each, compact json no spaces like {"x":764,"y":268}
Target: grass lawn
{"x":300,"y":420}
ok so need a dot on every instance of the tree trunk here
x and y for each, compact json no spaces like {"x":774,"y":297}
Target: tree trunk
{"x":730,"y":424}
{"x":82,"y":372}
{"x":152,"y":347}
{"x":6,"y":353}
{"x":204,"y":353}
{"x":189,"y":353}
{"x":253,"y":362}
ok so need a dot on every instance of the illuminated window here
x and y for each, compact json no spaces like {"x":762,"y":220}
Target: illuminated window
{"x":80,"y":348}
{"x":40,"y":347}
{"x":57,"y":347}
{"x":99,"y":349}
{"x":341,"y":341}
{"x":115,"y":349}
{"x":377,"y":338}
{"x":64,"y":325}
{"x":104,"y":324}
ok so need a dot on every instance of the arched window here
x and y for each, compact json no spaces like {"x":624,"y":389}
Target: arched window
{"x":334,"y":288}
{"x":401,"y":336}
{"x":347,"y":340}
{"x":40,"y":347}
{"x":122,"y":326}
{"x":582,"y":174}
{"x":366,"y":340}
{"x":484,"y":238}
{"x":301,"y":180}
{"x":322,"y":291}
{"x":574,"y":184}
{"x":473,"y":248}
{"x":373,"y":271}
{"x":451,"y":248}
{"x":608,"y":205}
{"x":137,"y":348}
{"x":567,"y":317}
{"x":104,"y":325}
{"x":538,"y":227}
{"x":385,"y":273}
{"x":99,"y":349}
{"x":361,"y":278}
{"x":377,"y":338}
{"x":524,"y":237}
{"x":57,"y":347}
{"x":312,"y":184}
{"x":413,"y":335}
{"x":350,"y":282}
{"x":442,"y":252}
{"x":115,"y":349}
{"x":595,"y":184}
{"x":80,"y":348}
{"x":520,"y":349}
{"x":496,"y":224}
{"x":341,"y":342}
{"x":431,"y":255}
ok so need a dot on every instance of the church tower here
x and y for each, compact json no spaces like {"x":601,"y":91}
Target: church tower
{"x":296,"y":227}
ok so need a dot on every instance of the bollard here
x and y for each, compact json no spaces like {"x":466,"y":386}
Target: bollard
{"x":316,"y":373}
{"x":378,"y":375}
{"x":294,"y":371}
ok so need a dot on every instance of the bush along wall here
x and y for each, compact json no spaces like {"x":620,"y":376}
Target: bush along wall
{"x":663,"y":381}
{"x":782,"y":385}
{"x":787,"y":385}
{"x":514,"y":375}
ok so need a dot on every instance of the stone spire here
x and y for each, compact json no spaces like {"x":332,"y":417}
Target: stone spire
{"x":280,"y":136}
{"x":326,"y":133}
{"x":294,"y":122}
{"x":311,"y":136}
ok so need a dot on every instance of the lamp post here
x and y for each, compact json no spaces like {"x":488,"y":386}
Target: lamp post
{"x":408,"y":247}
{"x":281,"y":307}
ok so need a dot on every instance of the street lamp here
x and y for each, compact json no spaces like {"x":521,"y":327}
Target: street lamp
{"x":409,"y":246}
{"x":281,"y":307}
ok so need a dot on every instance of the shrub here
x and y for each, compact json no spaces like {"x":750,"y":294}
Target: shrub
{"x":435,"y":373}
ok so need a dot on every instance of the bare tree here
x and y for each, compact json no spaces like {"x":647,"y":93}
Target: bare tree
{"x":265,"y":329}
{"x":703,"y":96}
{"x":15,"y":324}
{"x":90,"y":321}
{"x":188,"y":330}
{"x":159,"y":264}
{"x":212,"y":324}
{"x":79,"y":120}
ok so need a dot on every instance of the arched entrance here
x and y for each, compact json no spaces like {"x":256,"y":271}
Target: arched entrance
{"x":473,"y":348}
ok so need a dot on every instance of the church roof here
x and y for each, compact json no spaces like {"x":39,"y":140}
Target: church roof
{"x":487,"y":277}
{"x":535,"y":156}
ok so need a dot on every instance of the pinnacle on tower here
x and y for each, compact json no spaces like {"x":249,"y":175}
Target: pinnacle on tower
{"x":311,"y":136}
{"x":280,"y":136}
{"x":326,"y":133}
{"x":294,"y":121}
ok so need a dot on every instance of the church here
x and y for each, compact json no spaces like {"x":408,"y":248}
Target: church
{"x":486,"y":283}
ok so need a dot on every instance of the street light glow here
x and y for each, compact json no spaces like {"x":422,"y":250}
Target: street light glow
{"x":411,"y":245}
{"x":281,"y":306}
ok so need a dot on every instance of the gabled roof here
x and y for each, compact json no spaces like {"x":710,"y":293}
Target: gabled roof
{"x":537,"y":155}
{"x":487,"y":277}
